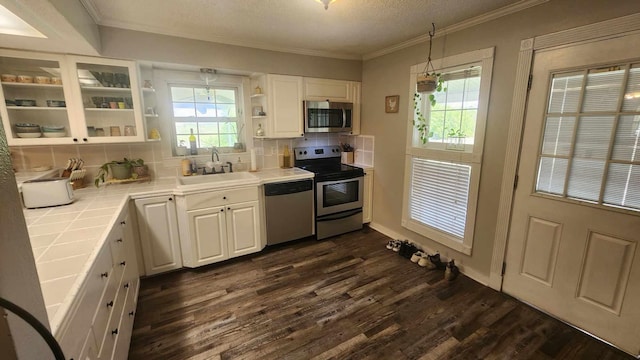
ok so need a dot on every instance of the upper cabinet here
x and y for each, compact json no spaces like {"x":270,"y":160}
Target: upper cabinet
{"x":327,"y":89}
{"x":276,"y":106}
{"x":55,"y":99}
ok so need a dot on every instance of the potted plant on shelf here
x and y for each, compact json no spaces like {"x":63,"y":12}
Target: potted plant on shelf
{"x":456,"y":139}
{"x":121,"y":170}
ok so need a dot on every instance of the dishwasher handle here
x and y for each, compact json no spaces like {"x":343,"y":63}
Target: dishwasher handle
{"x":285,"y":188}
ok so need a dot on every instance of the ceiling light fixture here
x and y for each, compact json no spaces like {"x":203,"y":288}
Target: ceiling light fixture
{"x":326,"y":3}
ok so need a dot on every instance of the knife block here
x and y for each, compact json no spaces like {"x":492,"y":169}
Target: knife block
{"x":347,"y":157}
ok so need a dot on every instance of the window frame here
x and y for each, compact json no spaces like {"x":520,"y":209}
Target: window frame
{"x":237,"y":88}
{"x":472,"y":158}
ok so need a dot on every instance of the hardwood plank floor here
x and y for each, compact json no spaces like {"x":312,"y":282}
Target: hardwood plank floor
{"x":347,"y":297}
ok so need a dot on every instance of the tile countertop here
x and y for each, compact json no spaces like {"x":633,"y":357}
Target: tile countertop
{"x":66,"y":239}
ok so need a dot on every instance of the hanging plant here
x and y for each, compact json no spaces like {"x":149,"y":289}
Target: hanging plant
{"x":427,"y":82}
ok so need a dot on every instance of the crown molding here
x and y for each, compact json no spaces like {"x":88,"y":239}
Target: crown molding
{"x":92,"y":10}
{"x":492,"y":15}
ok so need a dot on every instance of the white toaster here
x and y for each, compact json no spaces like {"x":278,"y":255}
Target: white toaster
{"x":47,"y":192}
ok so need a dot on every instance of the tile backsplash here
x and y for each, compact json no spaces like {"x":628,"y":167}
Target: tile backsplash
{"x":162,"y":164}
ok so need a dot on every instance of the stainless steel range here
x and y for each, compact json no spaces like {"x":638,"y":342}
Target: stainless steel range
{"x":338,"y":188}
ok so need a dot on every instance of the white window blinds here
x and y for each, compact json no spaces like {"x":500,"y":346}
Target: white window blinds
{"x":439,"y":194}
{"x":590,"y":148}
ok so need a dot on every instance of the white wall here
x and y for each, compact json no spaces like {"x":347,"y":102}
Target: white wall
{"x":128,"y":44}
{"x":389,"y":75}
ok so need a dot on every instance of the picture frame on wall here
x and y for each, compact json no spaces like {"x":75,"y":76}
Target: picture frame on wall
{"x":391,"y":103}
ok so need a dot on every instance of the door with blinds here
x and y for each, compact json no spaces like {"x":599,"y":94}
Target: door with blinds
{"x":575,"y":227}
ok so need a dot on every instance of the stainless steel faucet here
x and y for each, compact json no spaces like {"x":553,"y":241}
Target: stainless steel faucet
{"x":214,"y":151}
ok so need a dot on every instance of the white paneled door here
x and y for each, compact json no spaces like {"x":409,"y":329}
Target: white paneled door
{"x":575,"y":227}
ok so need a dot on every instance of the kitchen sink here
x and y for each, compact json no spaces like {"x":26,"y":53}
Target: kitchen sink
{"x":218,"y":180}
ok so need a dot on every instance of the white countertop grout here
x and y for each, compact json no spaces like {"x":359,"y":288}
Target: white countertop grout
{"x":66,"y":239}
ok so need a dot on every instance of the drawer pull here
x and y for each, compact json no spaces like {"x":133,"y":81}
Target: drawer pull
{"x":110,"y":303}
{"x":131,"y":313}
{"x":221,"y":210}
{"x":126,"y":286}
{"x":228,"y":208}
{"x":224,"y":198}
{"x":114,"y":332}
{"x":123,"y":222}
{"x":119,"y":240}
{"x":123,"y":263}
{"x":104,"y":275}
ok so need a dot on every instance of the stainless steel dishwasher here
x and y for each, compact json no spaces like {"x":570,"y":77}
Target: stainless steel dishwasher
{"x":289,"y":210}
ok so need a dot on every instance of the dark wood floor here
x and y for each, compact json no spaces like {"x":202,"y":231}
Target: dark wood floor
{"x":348,"y":298}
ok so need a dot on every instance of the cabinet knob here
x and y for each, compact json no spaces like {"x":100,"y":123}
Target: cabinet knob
{"x":75,"y":140}
{"x":170,"y":199}
{"x":131,"y":313}
{"x":119,"y":240}
{"x":110,"y":303}
{"x":114,"y":332}
{"x":228,"y":208}
{"x":123,"y":222}
{"x":85,"y":139}
{"x":104,"y":275}
{"x":301,"y":135}
{"x":221,"y":210}
{"x":126,"y":286}
{"x":123,"y":263}
{"x":224,"y":198}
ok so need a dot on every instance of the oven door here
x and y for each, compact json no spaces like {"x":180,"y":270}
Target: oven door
{"x":339,"y":195}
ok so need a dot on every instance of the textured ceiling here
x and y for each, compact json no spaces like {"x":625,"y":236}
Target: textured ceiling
{"x":349,"y":28}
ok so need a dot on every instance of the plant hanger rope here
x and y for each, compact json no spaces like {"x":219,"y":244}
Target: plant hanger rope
{"x":432,"y":33}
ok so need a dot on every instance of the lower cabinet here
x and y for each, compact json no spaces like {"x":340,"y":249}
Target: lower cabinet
{"x":368,"y":196}
{"x":100,"y":320}
{"x":219,"y":225}
{"x":159,"y":239}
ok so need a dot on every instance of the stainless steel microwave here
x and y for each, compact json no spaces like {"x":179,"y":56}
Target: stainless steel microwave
{"x":328,"y":116}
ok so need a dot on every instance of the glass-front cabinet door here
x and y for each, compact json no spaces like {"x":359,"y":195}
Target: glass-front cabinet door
{"x":110,"y":99}
{"x":36,"y":95}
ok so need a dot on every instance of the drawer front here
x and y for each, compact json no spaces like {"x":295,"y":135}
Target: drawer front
{"x":72,"y":333}
{"x":107,"y":303}
{"x":88,"y":349}
{"x":112,"y":334}
{"x":126,"y":324}
{"x":219,"y":198}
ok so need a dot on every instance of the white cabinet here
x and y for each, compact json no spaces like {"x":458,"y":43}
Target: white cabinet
{"x":219,"y":225}
{"x":207,"y":236}
{"x":100,"y":319}
{"x":368,"y":196}
{"x":73,"y":99}
{"x":159,"y":237}
{"x":327,"y":89}
{"x":355,"y":89}
{"x":281,"y":102}
{"x":243,"y":228}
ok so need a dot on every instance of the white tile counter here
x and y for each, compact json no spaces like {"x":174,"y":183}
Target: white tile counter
{"x":66,"y":239}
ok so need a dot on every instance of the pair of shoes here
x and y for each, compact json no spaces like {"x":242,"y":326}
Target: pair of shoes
{"x":416,"y":256}
{"x":394,"y":245}
{"x":425,"y":261}
{"x":435,"y":260}
{"x":452,"y":271}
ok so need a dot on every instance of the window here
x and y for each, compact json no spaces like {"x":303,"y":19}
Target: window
{"x":211,"y":112}
{"x":443,"y":172}
{"x":591,"y":144}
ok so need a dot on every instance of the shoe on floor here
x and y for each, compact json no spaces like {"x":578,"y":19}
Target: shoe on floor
{"x":452,"y":271}
{"x":425,"y":261}
{"x":416,"y":256}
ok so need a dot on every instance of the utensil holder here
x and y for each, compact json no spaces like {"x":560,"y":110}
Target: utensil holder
{"x":347,"y":157}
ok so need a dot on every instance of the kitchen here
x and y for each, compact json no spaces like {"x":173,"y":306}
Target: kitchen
{"x":380,"y":76}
